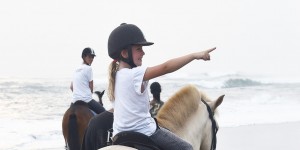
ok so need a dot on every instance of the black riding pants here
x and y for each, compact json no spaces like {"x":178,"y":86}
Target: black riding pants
{"x":96,"y":107}
{"x":169,"y":141}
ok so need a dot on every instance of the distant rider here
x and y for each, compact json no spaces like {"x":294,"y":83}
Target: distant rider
{"x":82,"y":83}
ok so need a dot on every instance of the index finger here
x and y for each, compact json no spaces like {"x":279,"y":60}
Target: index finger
{"x":210,"y":50}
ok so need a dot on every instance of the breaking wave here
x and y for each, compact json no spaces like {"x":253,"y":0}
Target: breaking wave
{"x":240,"y":83}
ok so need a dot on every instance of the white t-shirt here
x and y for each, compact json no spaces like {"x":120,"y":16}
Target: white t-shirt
{"x":131,"y":106}
{"x":81,"y":78}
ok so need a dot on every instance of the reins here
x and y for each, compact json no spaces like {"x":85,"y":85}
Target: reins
{"x":214,"y":126}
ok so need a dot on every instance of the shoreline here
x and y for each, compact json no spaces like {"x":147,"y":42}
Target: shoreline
{"x":275,"y":136}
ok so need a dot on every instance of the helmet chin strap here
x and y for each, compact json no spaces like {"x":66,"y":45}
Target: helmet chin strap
{"x":129,"y":60}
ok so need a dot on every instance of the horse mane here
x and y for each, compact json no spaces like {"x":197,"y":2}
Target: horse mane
{"x":177,"y":110}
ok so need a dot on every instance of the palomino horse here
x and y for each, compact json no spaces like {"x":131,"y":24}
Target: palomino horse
{"x":75,"y":122}
{"x":189,"y":114}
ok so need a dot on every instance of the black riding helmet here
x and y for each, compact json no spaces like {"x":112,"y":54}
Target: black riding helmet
{"x":87,"y":51}
{"x":123,"y":37}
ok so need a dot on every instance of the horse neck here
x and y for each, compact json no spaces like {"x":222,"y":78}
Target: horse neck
{"x":196,"y":128}
{"x":100,"y":101}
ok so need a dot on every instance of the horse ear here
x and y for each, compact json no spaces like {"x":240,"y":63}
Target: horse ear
{"x":213,"y":105}
{"x":219,"y":100}
{"x":101,"y":94}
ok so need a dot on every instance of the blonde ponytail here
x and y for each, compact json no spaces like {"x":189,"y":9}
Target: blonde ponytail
{"x":112,"y":70}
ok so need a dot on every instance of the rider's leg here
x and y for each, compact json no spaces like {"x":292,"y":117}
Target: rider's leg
{"x":168,"y":140}
{"x":96,"y":107}
{"x":96,"y":133}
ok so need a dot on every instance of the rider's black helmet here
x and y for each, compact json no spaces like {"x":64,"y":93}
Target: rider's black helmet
{"x":87,"y":51}
{"x":124,"y":36}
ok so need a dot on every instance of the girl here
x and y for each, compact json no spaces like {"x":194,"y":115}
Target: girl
{"x":82,"y":84}
{"x":128,"y":83}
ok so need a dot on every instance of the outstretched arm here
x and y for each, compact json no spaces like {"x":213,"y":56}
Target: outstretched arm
{"x":175,"y":64}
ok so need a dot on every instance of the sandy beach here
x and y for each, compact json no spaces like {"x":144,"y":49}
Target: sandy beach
{"x":260,"y":137}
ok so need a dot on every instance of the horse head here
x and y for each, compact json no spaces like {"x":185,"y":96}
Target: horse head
{"x":209,"y":142}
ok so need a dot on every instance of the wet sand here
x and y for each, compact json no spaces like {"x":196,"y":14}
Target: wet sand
{"x":260,"y":137}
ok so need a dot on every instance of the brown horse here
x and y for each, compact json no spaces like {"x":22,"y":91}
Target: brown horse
{"x":75,"y":122}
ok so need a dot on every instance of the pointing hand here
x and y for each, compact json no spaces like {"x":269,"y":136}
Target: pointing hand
{"x":204,"y":54}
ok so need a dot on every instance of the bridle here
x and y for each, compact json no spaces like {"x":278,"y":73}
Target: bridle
{"x":214,"y":127}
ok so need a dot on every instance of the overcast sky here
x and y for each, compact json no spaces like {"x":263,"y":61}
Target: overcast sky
{"x":45,"y":38}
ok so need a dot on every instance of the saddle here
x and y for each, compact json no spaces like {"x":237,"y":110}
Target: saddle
{"x":134,"y":139}
{"x":82,"y":103}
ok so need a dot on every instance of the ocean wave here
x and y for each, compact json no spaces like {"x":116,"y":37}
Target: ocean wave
{"x":17,"y":87}
{"x":230,"y":83}
{"x":226,"y":80}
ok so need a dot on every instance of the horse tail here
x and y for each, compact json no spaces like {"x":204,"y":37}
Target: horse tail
{"x":73,"y":140}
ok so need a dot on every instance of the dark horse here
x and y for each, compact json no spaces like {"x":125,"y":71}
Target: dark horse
{"x":75,"y":122}
{"x":97,"y":132}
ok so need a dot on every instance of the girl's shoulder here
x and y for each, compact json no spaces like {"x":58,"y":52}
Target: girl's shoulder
{"x":139,"y":68}
{"x":134,"y":70}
